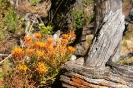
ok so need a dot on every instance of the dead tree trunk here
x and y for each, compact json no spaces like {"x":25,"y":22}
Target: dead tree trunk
{"x":109,"y":26}
{"x":98,"y":68}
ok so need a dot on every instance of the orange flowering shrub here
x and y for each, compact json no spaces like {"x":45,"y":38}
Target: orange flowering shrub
{"x":38,"y":35}
{"x":29,"y":51}
{"x":23,"y":68}
{"x":49,"y":40}
{"x":58,"y":41}
{"x":71,"y":35}
{"x":40,"y":53}
{"x":64,"y":36}
{"x":27,"y":39}
{"x":71,"y":49}
{"x":39,"y":44}
{"x":41,"y":68}
{"x":42,"y":58}
{"x":18,"y":53}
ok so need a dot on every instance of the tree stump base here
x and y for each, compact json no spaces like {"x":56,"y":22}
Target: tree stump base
{"x":99,"y":69}
{"x":79,"y":76}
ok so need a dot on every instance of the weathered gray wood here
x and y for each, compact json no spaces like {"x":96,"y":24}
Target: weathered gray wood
{"x":109,"y":32}
{"x":94,"y":80}
{"x":99,"y":69}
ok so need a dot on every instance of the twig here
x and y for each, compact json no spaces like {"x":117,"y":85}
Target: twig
{"x":5,"y":59}
{"x":4,"y":55}
{"x":16,"y":6}
{"x":56,"y":11}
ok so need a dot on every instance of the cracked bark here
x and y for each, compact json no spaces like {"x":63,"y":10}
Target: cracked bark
{"x":109,"y":33}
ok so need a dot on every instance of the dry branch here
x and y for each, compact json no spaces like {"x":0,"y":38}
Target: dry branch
{"x":1,"y":62}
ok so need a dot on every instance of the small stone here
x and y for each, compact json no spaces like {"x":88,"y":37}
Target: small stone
{"x":73,"y":58}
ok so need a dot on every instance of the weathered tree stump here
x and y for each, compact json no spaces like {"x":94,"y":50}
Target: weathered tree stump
{"x":98,"y":68}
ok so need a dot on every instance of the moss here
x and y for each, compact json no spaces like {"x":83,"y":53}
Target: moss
{"x":124,"y":4}
{"x":128,"y":61}
{"x":3,"y":35}
{"x":124,"y":43}
{"x":34,"y":2}
{"x":128,"y":34}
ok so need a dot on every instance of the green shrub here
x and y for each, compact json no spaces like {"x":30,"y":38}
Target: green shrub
{"x":33,"y":2}
{"x":80,"y":18}
{"x":4,"y":5}
{"x":3,"y":35}
{"x":45,"y":30}
{"x":11,"y":20}
{"x":124,"y":43}
{"x":88,"y":2}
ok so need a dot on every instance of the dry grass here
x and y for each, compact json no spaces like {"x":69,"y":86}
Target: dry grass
{"x":128,"y":61}
{"x":41,"y":9}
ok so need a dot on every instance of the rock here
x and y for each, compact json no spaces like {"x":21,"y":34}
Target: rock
{"x":83,"y":45}
{"x":73,"y":58}
{"x":80,"y":61}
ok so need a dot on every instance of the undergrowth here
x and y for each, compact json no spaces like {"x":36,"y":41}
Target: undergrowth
{"x":81,"y":18}
{"x":9,"y":21}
